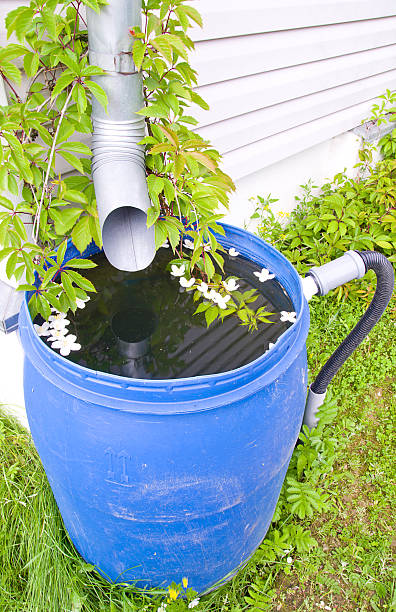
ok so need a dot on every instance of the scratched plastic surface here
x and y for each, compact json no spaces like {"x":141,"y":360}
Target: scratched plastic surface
{"x":157,"y":480}
{"x":142,"y":324}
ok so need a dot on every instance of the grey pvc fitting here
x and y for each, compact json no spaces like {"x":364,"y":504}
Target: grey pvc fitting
{"x":335,"y":273}
{"x":118,"y":164}
{"x":314,"y":402}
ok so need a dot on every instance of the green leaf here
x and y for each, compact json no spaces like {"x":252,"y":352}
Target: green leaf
{"x":152,"y":216}
{"x":163,"y":46}
{"x":43,"y":307}
{"x":170,"y":134}
{"x":98,"y":92}
{"x":198,"y":100}
{"x":81,"y":263}
{"x":73,"y":195}
{"x":155,"y":184}
{"x":49,"y":21}
{"x":62,"y":82}
{"x":193,"y":14}
{"x":202,"y":307}
{"x":162,"y":147}
{"x":180,"y":162}
{"x":178,"y":44}
{"x":81,"y":234}
{"x":332,"y":227}
{"x":11,"y":264}
{"x":161,"y":234}
{"x":81,"y":281}
{"x":384,"y":244}
{"x":92,"y":71}
{"x":72,"y":160}
{"x":203,"y":159}
{"x":68,"y":287}
{"x":61,"y":253}
{"x":76,"y":147}
{"x":211,"y":314}
{"x":64,"y":218}
{"x":80,"y":98}
{"x":154,"y":110}
{"x":19,"y":21}
{"x":3,"y":178}
{"x":93,"y":4}
{"x":138,"y":51}
{"x":19,"y":227}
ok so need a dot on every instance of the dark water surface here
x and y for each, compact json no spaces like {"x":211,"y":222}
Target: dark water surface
{"x":141,"y":324}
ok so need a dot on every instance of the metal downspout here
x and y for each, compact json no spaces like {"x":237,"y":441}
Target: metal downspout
{"x":118,"y":164}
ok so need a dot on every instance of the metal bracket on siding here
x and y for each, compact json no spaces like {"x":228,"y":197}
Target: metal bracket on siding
{"x":370,"y":131}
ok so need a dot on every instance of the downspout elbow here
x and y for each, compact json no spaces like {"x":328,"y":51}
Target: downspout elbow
{"x":118,"y":163}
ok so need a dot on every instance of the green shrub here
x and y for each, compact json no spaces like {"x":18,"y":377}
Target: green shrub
{"x":347,"y":214}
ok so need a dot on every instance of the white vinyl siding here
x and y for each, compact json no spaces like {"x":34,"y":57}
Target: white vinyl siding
{"x":281,"y":76}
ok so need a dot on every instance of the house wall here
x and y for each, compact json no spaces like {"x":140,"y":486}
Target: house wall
{"x":286,"y":81}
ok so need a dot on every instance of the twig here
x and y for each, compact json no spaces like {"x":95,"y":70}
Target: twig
{"x":11,"y":87}
{"x":36,"y":224}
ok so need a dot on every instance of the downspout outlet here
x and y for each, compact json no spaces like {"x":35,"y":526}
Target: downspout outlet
{"x":118,"y":163}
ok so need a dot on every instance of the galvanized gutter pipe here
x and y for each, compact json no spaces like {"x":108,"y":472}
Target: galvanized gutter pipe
{"x":118,"y":164}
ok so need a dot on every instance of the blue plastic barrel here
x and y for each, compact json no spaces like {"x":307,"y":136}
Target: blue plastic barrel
{"x":160,"y":480}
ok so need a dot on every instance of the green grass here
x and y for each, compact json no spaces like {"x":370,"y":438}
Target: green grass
{"x":329,"y":545}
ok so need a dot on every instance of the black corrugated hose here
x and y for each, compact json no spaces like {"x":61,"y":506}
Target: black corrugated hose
{"x":383,"y":293}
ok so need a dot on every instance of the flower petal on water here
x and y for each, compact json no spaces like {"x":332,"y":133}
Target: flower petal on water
{"x":186,"y":283}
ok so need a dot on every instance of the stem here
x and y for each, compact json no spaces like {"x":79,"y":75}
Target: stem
{"x":177,"y":202}
{"x":75,"y":23}
{"x":10,"y":86}
{"x":36,"y":224}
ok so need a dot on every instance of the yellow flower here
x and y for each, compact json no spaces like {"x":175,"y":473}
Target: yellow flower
{"x":185,"y":582}
{"x":173,"y":593}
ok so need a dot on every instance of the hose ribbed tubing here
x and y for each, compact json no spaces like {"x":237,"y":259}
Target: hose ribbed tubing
{"x":383,"y":293}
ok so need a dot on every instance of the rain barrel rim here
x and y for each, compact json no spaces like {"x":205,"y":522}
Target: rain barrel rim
{"x":169,"y":396}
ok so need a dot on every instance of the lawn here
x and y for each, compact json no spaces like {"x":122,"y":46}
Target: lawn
{"x":329,"y":546}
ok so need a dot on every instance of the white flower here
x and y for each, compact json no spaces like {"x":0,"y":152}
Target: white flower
{"x":221,"y":301}
{"x":189,"y":244}
{"x":44,"y":329}
{"x":288,"y":316}
{"x":178,"y":271}
{"x":57,"y":334}
{"x":193,"y":603}
{"x":186,"y":283}
{"x":66,"y":344}
{"x":264,"y":275}
{"x":212,"y":295}
{"x":230,"y":285}
{"x":81,"y":303}
{"x":233,"y":252}
{"x":58,"y":316}
{"x":289,"y":560}
{"x":59,"y":323}
{"x":344,"y":563}
{"x":208,"y":293}
{"x":203,"y":287}
{"x":162,"y":607}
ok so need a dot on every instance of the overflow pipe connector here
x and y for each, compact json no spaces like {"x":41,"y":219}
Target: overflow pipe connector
{"x":350,"y":266}
{"x":118,"y":164}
